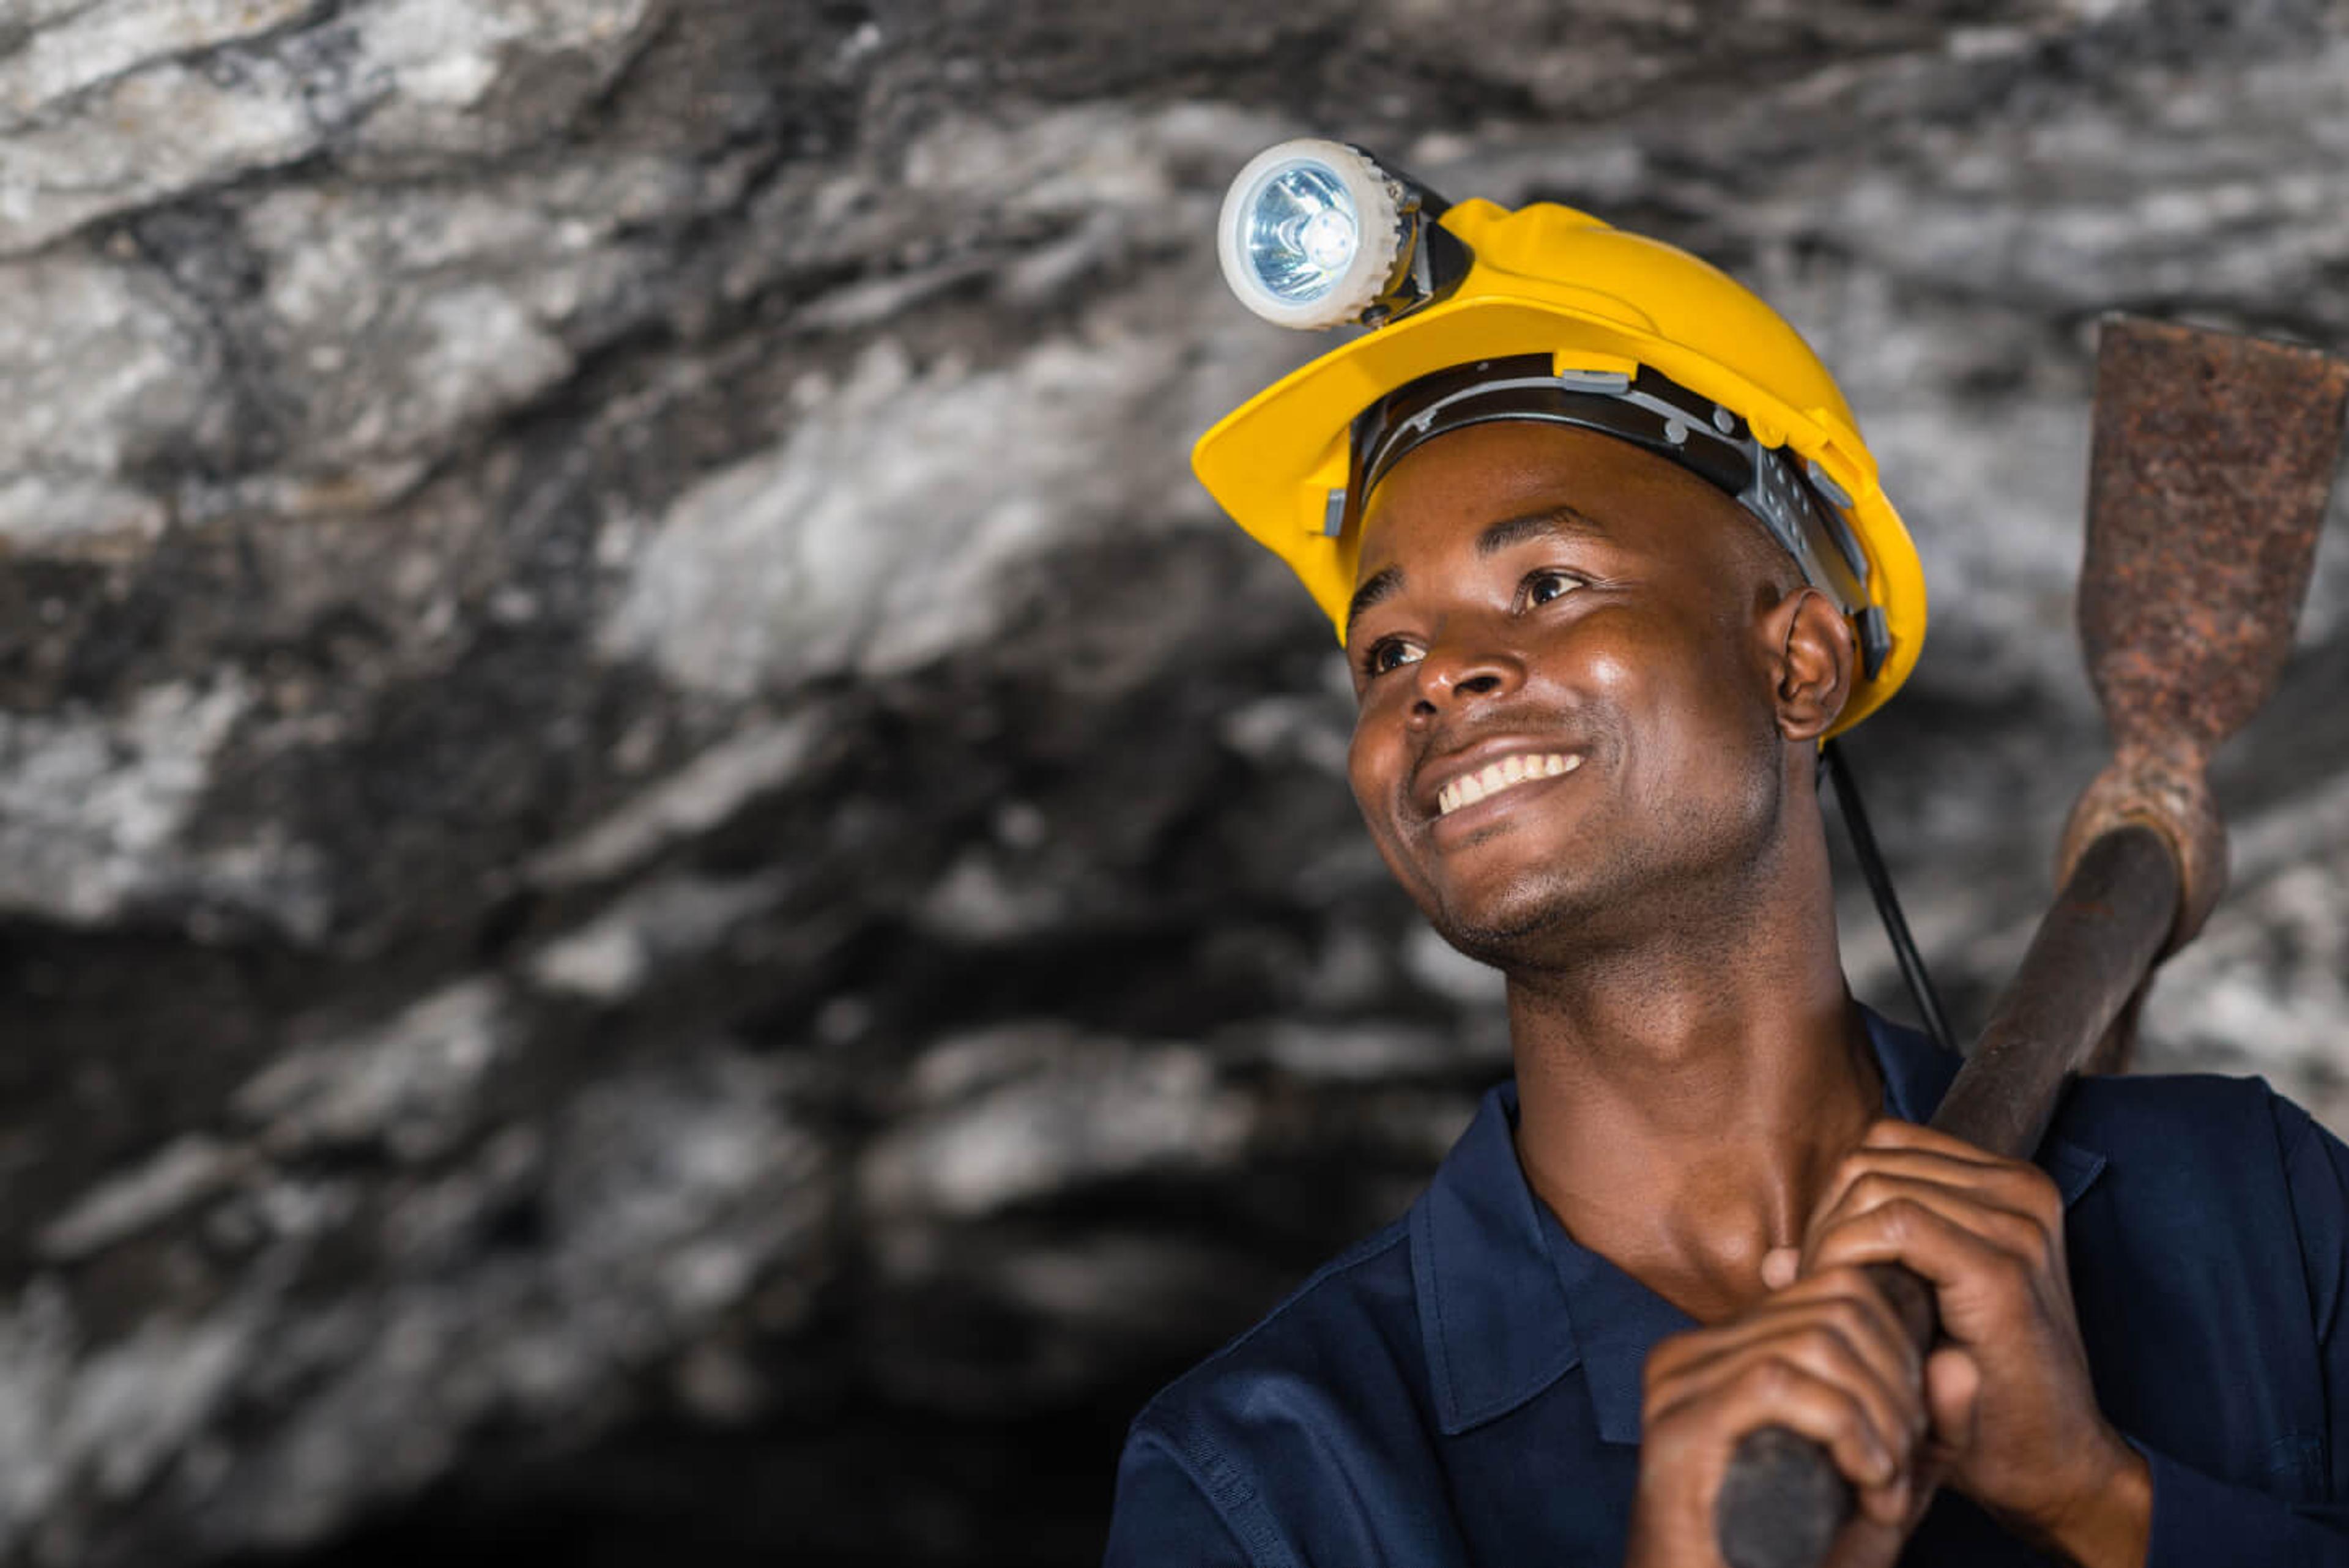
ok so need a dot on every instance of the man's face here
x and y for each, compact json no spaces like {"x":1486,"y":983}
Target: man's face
{"x":1566,"y":732}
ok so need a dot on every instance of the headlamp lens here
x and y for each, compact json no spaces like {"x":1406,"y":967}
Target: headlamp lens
{"x":1302,"y":232}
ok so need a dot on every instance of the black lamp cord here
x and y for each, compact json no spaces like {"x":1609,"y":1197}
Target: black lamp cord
{"x":1887,"y":903}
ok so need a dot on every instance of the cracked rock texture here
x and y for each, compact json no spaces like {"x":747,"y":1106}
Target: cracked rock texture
{"x":665,"y":892}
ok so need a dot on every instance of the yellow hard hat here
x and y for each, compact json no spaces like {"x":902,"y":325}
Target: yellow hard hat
{"x":1617,"y":316}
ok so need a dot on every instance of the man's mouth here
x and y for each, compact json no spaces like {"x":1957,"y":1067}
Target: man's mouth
{"x":1505,"y":773}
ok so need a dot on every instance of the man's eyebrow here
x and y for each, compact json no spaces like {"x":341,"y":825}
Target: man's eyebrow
{"x":1550,"y":522}
{"x":1377,"y":590}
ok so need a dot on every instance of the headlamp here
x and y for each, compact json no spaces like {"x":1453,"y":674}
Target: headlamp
{"x":1315,"y":233}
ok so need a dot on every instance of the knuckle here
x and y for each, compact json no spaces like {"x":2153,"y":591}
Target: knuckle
{"x":2024,"y":1236}
{"x":2040,"y":1189}
{"x":1871,"y":1187}
{"x":2034,"y":1192}
{"x":1770,"y":1377}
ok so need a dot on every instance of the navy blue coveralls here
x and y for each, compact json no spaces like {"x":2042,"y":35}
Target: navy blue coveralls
{"x":1463,"y":1387}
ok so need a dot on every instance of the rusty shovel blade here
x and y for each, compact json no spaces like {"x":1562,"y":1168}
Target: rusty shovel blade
{"x":2213,"y":455}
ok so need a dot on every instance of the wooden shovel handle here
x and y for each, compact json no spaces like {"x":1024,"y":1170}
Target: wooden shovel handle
{"x":1783,"y":1500}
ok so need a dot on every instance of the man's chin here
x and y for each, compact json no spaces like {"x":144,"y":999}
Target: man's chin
{"x":1519,"y":928}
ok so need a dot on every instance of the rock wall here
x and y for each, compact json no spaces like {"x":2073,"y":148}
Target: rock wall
{"x":664,"y":887}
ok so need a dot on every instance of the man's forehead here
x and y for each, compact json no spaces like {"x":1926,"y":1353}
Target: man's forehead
{"x":1487,"y":488}
{"x":1480,"y":475}
{"x":1496,"y":484}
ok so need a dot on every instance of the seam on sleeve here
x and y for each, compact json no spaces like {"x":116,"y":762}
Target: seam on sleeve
{"x":1231,"y":1495}
{"x":2316,"y":1189}
{"x":2297,"y":1131}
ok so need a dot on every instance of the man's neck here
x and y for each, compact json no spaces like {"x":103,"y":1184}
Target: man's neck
{"x":1682,"y":1103}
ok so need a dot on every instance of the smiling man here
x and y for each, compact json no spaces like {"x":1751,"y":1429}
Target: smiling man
{"x":1609,"y":562}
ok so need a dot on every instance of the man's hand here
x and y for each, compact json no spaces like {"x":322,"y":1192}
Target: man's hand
{"x":1824,"y":1356}
{"x":2015,"y":1423}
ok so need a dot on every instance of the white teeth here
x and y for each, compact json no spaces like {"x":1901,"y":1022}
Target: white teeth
{"x":1494,"y":777}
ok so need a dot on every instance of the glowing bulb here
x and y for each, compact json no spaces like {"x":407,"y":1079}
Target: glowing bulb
{"x":1327,"y":239}
{"x":1300,"y":231}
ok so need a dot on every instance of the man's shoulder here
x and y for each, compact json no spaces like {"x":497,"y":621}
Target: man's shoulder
{"x":2179,"y":1113}
{"x":2225,"y":1158}
{"x":1302,"y":1441}
{"x":1353,"y":1318}
{"x":2207,"y":1266}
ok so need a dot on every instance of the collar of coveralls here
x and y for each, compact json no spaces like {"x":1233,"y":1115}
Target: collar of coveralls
{"x":1509,"y":1303}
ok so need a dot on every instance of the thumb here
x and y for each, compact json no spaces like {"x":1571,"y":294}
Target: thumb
{"x":1953,"y":1385}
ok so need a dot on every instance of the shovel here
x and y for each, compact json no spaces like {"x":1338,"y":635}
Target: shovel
{"x":2212,"y":459}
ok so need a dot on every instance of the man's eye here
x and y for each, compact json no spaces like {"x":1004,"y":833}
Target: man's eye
{"x":1542,"y":586}
{"x":1393,"y":653}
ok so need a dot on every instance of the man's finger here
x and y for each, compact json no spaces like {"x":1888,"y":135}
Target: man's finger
{"x":1891,"y":1395}
{"x":1891,"y":1132}
{"x":1968,"y":1270}
{"x":2005,"y":1184}
{"x":1841,"y":1297}
{"x":2028,"y":1234}
{"x":1765,"y":1391}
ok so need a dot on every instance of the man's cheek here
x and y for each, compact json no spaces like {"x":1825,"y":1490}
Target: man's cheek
{"x":1614,"y":674}
{"x":1374,"y":772}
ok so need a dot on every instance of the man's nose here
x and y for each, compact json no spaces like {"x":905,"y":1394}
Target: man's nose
{"x":1455,"y":673}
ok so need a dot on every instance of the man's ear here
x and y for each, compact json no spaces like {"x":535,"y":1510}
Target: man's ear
{"x":1812,"y":672}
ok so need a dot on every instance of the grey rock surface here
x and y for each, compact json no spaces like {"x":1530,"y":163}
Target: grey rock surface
{"x":666,"y":889}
